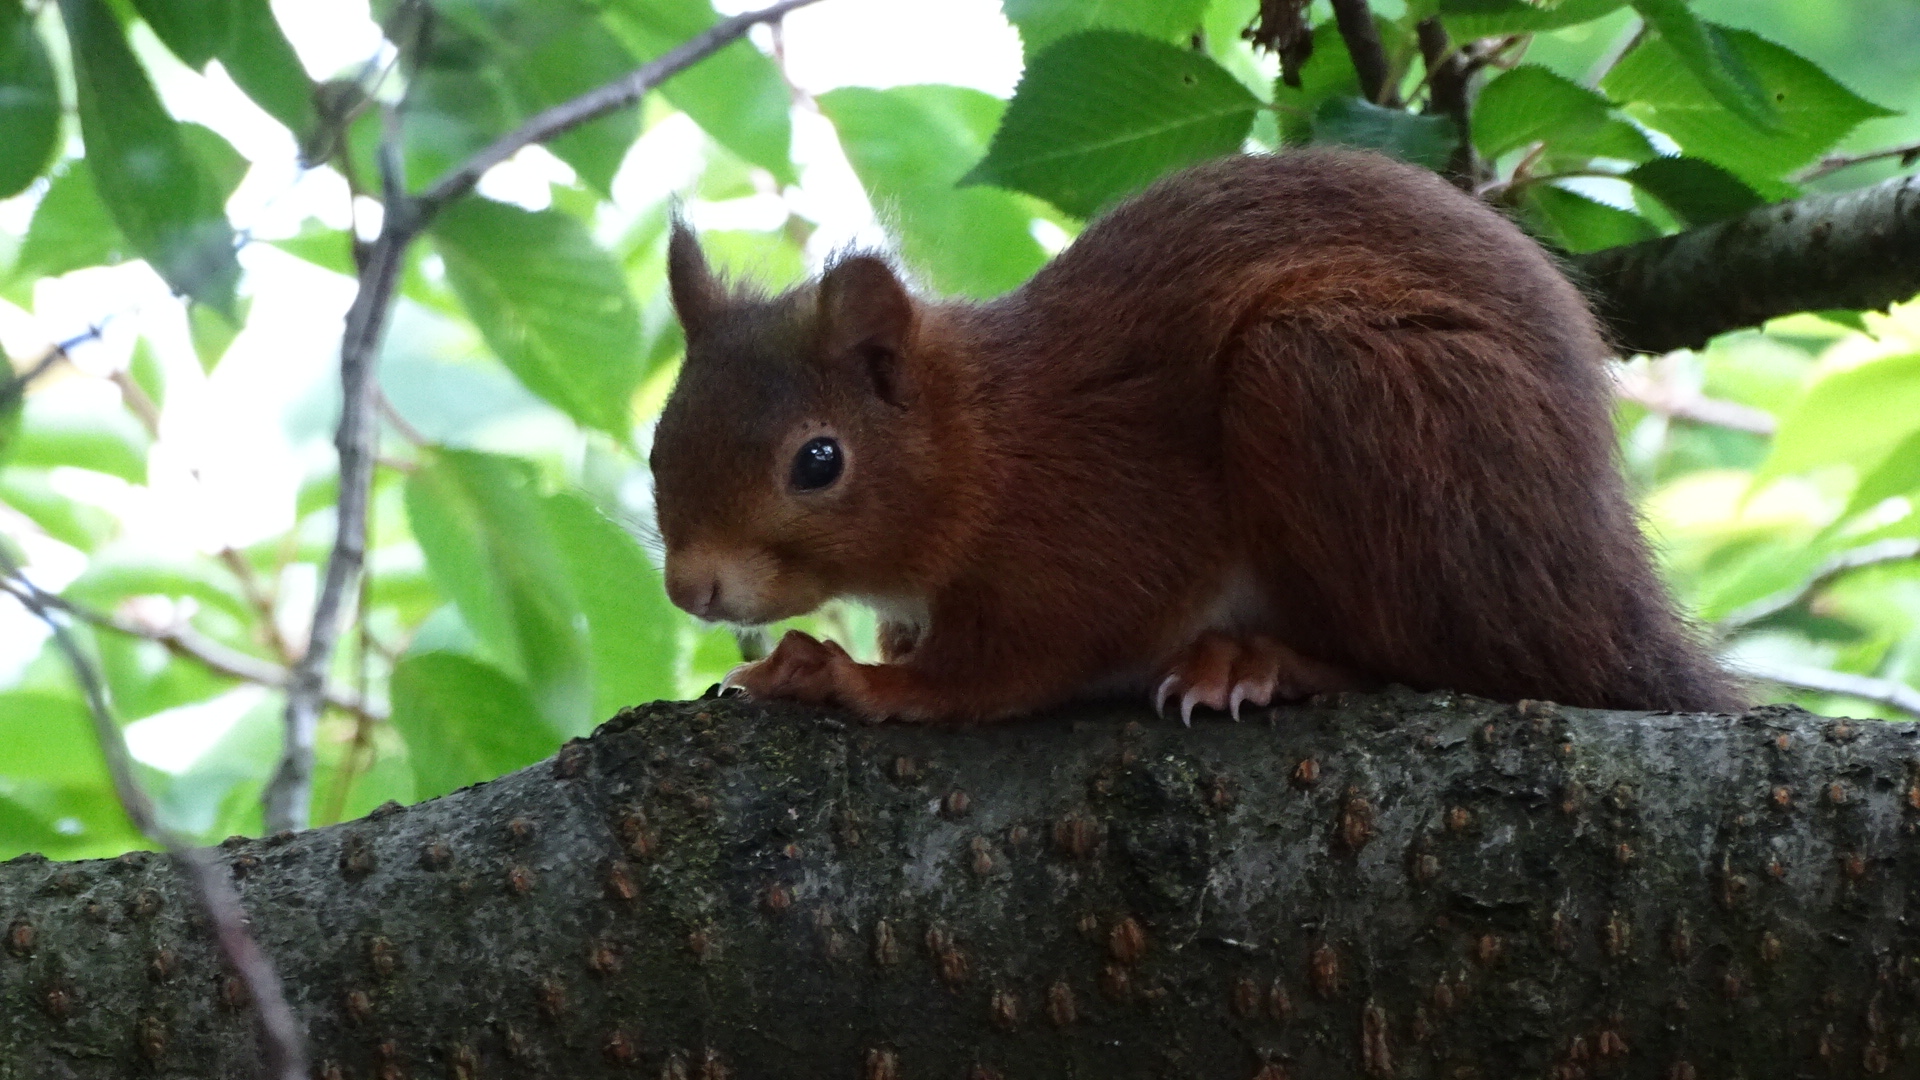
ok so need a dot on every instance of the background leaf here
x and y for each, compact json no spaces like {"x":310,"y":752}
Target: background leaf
{"x":634,"y":631}
{"x":1856,"y":416}
{"x":154,"y":187}
{"x":1491,"y":18}
{"x":1698,"y":192}
{"x":1704,"y":50}
{"x":551,"y":304}
{"x":463,"y":722}
{"x":1043,"y":22}
{"x":1422,"y":140}
{"x":1578,"y":223}
{"x":736,"y":95}
{"x":70,"y":229}
{"x":1813,"y":110}
{"x":1101,"y":114}
{"x":479,"y":522}
{"x":29,"y":101}
{"x":910,"y":146}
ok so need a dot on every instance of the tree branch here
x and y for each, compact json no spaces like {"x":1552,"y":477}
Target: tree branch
{"x":1380,"y":886}
{"x":1663,"y":397}
{"x":593,"y":104}
{"x":1355,"y":20}
{"x":280,"y":1040}
{"x":1833,"y":163}
{"x":1851,"y":250}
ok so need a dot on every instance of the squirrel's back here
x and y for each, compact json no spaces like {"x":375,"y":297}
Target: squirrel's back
{"x":1408,"y":408}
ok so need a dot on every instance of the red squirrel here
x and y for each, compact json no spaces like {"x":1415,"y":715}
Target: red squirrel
{"x":1277,"y":425}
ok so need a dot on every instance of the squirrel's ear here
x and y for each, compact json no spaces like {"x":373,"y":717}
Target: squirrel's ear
{"x":696,"y":295}
{"x":866,"y":318}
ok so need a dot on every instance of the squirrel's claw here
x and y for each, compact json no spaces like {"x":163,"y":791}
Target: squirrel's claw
{"x":1227,"y":674}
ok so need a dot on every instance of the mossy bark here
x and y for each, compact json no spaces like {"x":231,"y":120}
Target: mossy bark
{"x":1380,"y":886}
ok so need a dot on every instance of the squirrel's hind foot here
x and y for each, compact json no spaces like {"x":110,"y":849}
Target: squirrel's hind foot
{"x":1226,"y":673}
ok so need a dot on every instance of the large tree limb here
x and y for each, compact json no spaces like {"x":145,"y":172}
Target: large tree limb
{"x":1852,"y":250}
{"x":1392,"y":886}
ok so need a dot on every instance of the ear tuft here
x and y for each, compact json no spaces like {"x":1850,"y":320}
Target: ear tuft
{"x":867,"y":318}
{"x":697,"y":297}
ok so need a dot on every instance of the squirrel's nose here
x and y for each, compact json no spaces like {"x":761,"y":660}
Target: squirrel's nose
{"x":696,"y":593}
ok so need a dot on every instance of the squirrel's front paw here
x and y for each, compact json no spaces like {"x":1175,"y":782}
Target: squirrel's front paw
{"x":800,"y":669}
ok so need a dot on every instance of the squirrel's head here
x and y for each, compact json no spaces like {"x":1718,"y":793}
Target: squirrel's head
{"x":790,"y":461}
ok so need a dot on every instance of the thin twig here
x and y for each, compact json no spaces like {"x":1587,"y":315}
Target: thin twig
{"x":1877,"y":554}
{"x":1888,"y":692}
{"x":1355,"y":20}
{"x":185,"y":642}
{"x":594,"y":104}
{"x":1663,"y":397}
{"x":289,"y":793}
{"x":58,"y":351}
{"x":281,"y":1042}
{"x":1908,"y":155}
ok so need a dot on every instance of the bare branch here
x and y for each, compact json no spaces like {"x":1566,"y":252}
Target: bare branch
{"x":1355,"y":19}
{"x":281,"y":1042}
{"x":1851,"y":250}
{"x":1897,"y":695}
{"x":183,"y":641}
{"x":593,"y":104}
{"x":1879,"y":554}
{"x":1833,"y":163}
{"x":289,"y":794}
{"x":1683,"y":403}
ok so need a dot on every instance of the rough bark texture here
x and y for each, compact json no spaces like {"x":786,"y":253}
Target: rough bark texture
{"x":1855,"y":249}
{"x":1385,"y":886}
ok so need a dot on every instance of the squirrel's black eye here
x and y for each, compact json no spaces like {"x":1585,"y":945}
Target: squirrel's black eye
{"x":818,"y":464}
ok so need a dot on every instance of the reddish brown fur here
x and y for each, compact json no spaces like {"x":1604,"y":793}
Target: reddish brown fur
{"x":1335,"y":371}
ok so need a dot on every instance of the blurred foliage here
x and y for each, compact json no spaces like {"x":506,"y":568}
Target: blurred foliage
{"x":512,"y":599}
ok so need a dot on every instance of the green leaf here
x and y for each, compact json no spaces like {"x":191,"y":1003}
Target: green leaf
{"x":326,"y":248}
{"x":74,"y":523}
{"x":910,"y":146}
{"x":1327,"y":74}
{"x":48,"y":737}
{"x":29,"y":101}
{"x":1897,"y":474}
{"x":223,"y":164}
{"x":1705,"y":51}
{"x":1580,"y":224}
{"x":213,"y":333}
{"x":261,"y":61}
{"x":194,"y":29}
{"x":1043,"y":22}
{"x":1857,"y":416}
{"x":488,"y":545}
{"x":1102,"y":114}
{"x":150,"y":179}
{"x":451,"y":113}
{"x":1813,"y":111}
{"x":736,"y":95}
{"x":551,"y":304}
{"x":1468,"y":19}
{"x":1698,"y":192}
{"x":633,"y":629}
{"x":464,"y":722}
{"x":1350,"y":121}
{"x":569,"y":64}
{"x":56,"y":432}
{"x":71,"y":229}
{"x":143,"y":678}
{"x":1531,"y":104}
